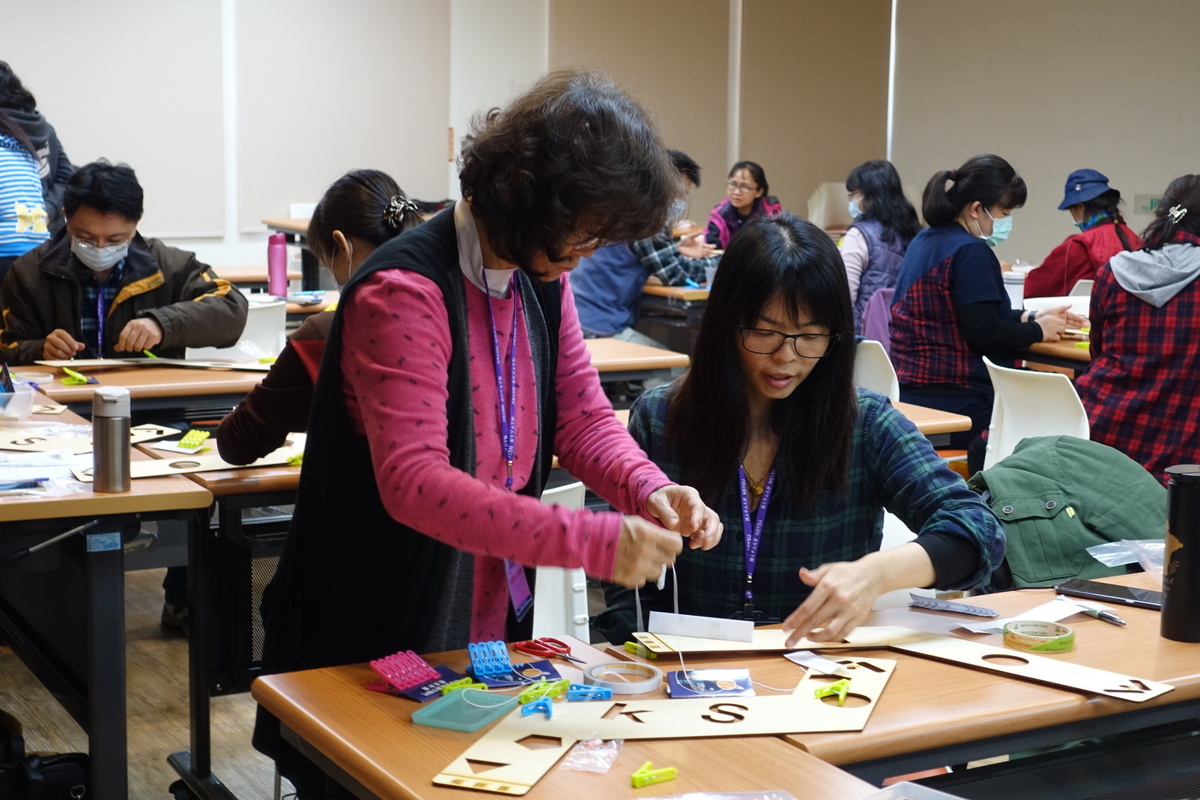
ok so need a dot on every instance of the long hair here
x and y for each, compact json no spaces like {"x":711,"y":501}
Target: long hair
{"x":772,"y":258}
{"x":14,"y":95}
{"x":1183,"y":194}
{"x":879,"y":184}
{"x":985,"y":178}
{"x":573,"y":156}
{"x":364,"y":203}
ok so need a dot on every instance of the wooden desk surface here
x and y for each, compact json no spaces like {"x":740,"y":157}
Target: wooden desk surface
{"x":677,"y":292}
{"x":248,"y":480}
{"x":146,"y":382}
{"x":296,"y":226}
{"x":256,"y":274}
{"x":149,"y":494}
{"x":611,"y":355}
{"x":1066,"y":348}
{"x":370,"y":735}
{"x":929,"y":704}
{"x":933,"y":420}
{"x":331,"y":297}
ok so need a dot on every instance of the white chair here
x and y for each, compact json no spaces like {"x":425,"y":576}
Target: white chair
{"x":560,"y":603}
{"x":873,"y":370}
{"x":264,"y":334}
{"x":1082,"y":288}
{"x":1031,"y":404}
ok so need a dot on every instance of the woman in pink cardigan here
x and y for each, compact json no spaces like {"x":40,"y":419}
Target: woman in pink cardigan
{"x":455,"y":368}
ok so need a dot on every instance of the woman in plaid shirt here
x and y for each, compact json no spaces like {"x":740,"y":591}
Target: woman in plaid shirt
{"x":1140,"y":391}
{"x":799,"y":463}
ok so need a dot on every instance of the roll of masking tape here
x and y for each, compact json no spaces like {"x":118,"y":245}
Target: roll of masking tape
{"x":36,"y":377}
{"x":1038,"y":637}
{"x":624,"y":677}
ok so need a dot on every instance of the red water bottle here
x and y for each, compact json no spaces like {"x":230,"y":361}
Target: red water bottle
{"x":277,"y":283}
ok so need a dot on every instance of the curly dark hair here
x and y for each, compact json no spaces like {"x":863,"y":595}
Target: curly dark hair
{"x":572,"y":157}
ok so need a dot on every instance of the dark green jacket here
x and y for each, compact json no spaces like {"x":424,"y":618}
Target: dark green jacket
{"x":1058,"y":495}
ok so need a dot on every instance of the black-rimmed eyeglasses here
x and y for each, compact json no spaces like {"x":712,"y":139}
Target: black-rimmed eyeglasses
{"x":807,"y":345}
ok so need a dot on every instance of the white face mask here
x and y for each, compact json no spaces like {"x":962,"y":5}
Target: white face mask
{"x":855,"y":211}
{"x":678,"y":209}
{"x":99,"y":259}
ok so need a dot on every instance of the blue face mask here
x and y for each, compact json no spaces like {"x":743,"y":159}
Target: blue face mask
{"x":855,"y":211}
{"x":1001,"y":228}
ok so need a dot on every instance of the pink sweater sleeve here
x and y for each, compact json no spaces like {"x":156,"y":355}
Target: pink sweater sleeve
{"x":395,"y":355}
{"x":590,"y":442}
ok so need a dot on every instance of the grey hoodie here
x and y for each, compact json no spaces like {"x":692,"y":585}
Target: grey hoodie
{"x":54,"y":168}
{"x":1156,"y":276}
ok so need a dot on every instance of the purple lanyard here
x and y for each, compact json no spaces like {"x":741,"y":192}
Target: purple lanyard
{"x":100,"y":322}
{"x":508,"y":416}
{"x":753,"y":535}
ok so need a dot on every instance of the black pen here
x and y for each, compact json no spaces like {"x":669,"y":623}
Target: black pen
{"x":1106,"y":616}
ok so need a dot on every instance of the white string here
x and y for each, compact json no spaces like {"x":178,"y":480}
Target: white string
{"x":504,"y":698}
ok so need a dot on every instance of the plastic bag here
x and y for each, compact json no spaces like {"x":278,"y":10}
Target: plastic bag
{"x":1146,"y":552}
{"x":592,"y":755}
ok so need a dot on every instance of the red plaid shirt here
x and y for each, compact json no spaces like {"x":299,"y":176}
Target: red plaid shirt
{"x":944,"y":268}
{"x":1142,"y":388}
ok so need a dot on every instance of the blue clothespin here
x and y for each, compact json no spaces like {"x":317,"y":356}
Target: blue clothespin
{"x":543,"y":705}
{"x":484,"y":659}
{"x":580,"y":691}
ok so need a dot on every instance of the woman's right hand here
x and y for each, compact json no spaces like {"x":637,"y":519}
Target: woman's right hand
{"x":643,"y":550}
{"x":1053,"y":322}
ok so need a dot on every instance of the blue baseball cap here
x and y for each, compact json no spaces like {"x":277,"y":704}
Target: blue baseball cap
{"x":1083,"y":185}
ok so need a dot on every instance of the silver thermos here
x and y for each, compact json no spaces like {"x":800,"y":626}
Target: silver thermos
{"x":110,"y":439}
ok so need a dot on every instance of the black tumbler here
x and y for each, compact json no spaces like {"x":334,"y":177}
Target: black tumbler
{"x":1181,"y":561}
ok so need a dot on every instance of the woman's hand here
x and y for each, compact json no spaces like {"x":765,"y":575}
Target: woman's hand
{"x":844,"y":591}
{"x":1055,"y":321}
{"x":644,"y":550}
{"x":680,"y":509}
{"x":842,"y":596}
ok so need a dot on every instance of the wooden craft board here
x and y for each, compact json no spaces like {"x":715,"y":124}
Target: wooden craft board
{"x":105,"y":363}
{"x":47,"y":444}
{"x":503,"y":764}
{"x":1015,"y":663}
{"x":186,"y":464}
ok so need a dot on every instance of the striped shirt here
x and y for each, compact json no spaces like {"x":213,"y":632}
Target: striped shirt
{"x":22,"y":209}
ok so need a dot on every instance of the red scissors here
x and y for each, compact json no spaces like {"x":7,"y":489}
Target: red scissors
{"x":545,"y":647}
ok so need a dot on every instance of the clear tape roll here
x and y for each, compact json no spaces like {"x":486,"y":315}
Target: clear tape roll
{"x":624,"y":677}
{"x":1038,"y":637}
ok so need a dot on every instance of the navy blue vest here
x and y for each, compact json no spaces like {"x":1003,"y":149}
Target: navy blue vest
{"x":608,"y":289}
{"x":883,"y":265}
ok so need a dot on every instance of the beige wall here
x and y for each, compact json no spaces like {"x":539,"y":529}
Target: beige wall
{"x":814,"y":90}
{"x":671,"y":56}
{"x":112,"y":90}
{"x":321,"y":92}
{"x":1052,"y":87}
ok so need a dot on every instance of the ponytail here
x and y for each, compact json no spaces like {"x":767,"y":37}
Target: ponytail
{"x":365,"y":204}
{"x":986,"y":179}
{"x":1179,"y":210}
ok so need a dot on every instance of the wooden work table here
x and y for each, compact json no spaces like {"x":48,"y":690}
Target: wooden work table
{"x":154,"y":387}
{"x":616,"y":355}
{"x":253,"y":275}
{"x":690,"y":294}
{"x":934,"y":421}
{"x":370,"y":740}
{"x":1067,"y":353}
{"x":294,"y":309}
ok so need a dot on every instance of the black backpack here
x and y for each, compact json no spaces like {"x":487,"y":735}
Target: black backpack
{"x":50,"y":777}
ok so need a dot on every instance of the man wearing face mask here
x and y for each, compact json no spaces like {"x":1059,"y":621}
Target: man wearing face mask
{"x":608,"y":285}
{"x":99,"y":290}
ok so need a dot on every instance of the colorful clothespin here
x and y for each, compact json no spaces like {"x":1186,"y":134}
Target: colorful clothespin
{"x":543,"y":706}
{"x":194,"y":438}
{"x":76,"y":379}
{"x":296,"y":460}
{"x":647,"y":775}
{"x":463,"y":683}
{"x":148,"y":354}
{"x":580,"y":691}
{"x":489,"y":659}
{"x":639,"y":650}
{"x":840,"y":688}
{"x":544,"y":688}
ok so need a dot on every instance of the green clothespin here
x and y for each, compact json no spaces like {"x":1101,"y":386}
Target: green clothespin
{"x":194,"y":439}
{"x":148,"y":354}
{"x":75,"y":378}
{"x":647,"y":775}
{"x":296,"y":460}
{"x":463,"y":683}
{"x":840,"y":688}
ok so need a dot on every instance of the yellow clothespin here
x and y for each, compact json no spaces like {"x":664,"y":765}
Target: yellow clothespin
{"x":840,"y":688}
{"x":639,"y":649}
{"x":647,"y":775}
